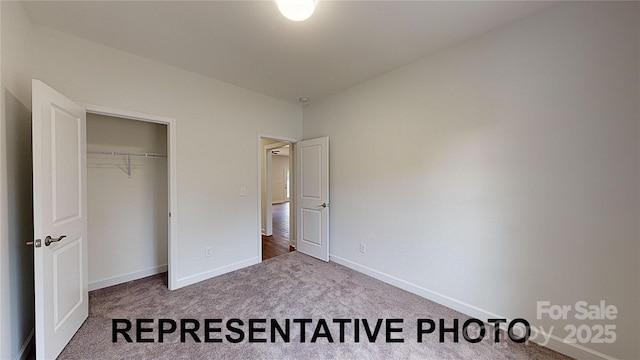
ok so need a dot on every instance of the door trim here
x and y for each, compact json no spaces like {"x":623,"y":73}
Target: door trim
{"x":292,"y":219}
{"x":172,"y":261}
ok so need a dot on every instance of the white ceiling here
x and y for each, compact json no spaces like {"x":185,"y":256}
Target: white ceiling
{"x":249,"y":44}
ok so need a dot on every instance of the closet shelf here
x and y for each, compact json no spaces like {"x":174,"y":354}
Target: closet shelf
{"x":118,"y":153}
{"x":129,"y":156}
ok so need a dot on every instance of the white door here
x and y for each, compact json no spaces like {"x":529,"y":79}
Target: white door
{"x":312,"y":205}
{"x":60,"y":219}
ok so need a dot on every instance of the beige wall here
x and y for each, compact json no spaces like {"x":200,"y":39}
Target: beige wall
{"x":499,"y":172}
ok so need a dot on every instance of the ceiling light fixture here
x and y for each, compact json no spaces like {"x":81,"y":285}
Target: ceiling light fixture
{"x":296,"y":10}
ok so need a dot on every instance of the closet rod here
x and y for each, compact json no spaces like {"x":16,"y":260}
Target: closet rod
{"x":118,"y":153}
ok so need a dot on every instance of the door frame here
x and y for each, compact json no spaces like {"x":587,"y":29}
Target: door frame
{"x":292,"y":220}
{"x":172,"y":233}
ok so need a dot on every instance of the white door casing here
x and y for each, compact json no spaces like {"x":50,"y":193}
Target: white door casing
{"x":60,"y":209}
{"x":312,"y":205}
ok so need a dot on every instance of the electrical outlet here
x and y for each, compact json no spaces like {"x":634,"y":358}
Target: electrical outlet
{"x":208,"y":251}
{"x":243,"y":191}
{"x":363,"y":248}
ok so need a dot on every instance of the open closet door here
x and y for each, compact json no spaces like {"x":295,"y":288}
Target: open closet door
{"x":60,"y":219}
{"x":312,"y":205}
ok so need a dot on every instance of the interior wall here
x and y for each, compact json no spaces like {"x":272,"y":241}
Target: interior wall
{"x":500,"y":172}
{"x":278,"y":165}
{"x":127,"y":223}
{"x":16,"y":259}
{"x":211,"y":115}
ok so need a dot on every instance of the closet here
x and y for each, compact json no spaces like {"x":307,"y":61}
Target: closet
{"x":127,"y":191}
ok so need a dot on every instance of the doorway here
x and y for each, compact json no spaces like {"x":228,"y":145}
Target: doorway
{"x":161,"y":160}
{"x":127,"y":198}
{"x":276,"y":197}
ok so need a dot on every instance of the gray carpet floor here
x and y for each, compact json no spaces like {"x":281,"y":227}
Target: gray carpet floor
{"x":291,"y":286}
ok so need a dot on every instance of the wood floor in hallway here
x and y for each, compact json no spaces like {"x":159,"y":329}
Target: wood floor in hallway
{"x":278,"y":243}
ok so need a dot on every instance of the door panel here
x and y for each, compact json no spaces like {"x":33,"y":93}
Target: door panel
{"x":311,"y":229}
{"x":60,"y":213}
{"x":67,"y":281}
{"x":312,"y":172}
{"x":312,"y":205}
{"x":66,"y":165}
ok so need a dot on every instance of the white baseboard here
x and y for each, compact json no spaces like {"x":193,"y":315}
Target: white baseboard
{"x":192,"y":279}
{"x":119,"y":279}
{"x":555,"y":343}
{"x":27,"y":346}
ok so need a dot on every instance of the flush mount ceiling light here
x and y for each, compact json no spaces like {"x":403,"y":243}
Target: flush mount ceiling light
{"x":296,"y":10}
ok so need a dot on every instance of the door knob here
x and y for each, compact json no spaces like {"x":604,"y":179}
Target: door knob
{"x":48,"y":240}
{"x":323,"y":205}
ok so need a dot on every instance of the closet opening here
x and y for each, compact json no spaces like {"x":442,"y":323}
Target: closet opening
{"x":128,"y":199}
